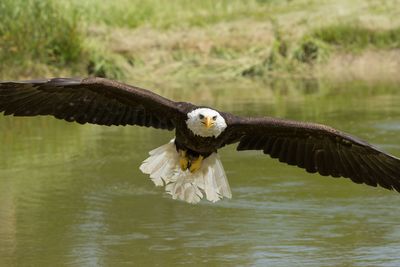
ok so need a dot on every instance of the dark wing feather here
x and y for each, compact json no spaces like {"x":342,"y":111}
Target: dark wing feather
{"x":316,"y":148}
{"x":92,"y":100}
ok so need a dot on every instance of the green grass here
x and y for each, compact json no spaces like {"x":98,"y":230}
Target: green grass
{"x":41,"y":31}
{"x":166,"y":14}
{"x":358,"y":37}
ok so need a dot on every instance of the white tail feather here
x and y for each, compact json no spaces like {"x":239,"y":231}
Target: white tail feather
{"x":161,"y":164}
{"x":210,"y":180}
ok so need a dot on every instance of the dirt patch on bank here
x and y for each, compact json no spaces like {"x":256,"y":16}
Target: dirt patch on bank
{"x":370,"y":66}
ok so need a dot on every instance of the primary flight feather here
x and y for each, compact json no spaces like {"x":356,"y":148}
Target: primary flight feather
{"x":189,"y":166}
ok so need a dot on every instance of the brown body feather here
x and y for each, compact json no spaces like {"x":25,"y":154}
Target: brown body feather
{"x":313,"y":147}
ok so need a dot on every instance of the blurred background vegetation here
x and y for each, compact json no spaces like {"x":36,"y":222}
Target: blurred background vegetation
{"x":156,"y":41}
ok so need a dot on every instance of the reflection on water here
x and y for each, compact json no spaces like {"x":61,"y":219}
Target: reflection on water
{"x":72,"y":194}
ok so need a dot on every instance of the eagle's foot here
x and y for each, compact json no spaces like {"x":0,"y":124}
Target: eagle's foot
{"x":183,"y":160}
{"x":196,"y":164}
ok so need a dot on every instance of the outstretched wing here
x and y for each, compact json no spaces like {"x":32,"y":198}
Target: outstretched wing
{"x":92,"y":100}
{"x":316,"y":148}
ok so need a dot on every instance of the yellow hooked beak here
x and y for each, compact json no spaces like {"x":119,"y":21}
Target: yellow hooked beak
{"x":208,"y":122}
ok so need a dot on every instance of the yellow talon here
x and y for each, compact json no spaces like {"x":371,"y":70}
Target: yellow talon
{"x":196,"y":164}
{"x":183,"y":160}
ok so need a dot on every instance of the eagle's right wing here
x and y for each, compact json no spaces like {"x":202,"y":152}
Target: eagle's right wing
{"x":92,"y":100}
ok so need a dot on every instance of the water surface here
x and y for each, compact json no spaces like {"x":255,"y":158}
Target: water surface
{"x":73,"y":195}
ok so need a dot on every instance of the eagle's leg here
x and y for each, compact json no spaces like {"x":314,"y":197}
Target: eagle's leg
{"x":183,"y":160}
{"x":196,"y":164}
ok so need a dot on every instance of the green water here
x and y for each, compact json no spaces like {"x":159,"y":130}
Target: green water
{"x":72,"y":195}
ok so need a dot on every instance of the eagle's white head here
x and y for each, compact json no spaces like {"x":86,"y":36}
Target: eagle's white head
{"x":205,"y":122}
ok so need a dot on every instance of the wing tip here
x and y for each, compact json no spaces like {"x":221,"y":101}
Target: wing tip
{"x":53,"y":81}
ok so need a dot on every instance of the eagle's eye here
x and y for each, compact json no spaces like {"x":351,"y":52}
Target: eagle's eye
{"x":201,"y":116}
{"x":215,"y":117}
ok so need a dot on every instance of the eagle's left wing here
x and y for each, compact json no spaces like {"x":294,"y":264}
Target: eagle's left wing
{"x":316,"y":148}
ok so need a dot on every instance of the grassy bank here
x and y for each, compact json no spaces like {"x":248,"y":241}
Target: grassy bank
{"x":38,"y":34}
{"x":156,"y":41}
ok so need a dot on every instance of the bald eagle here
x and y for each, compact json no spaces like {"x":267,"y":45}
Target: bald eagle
{"x":189,"y":166}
